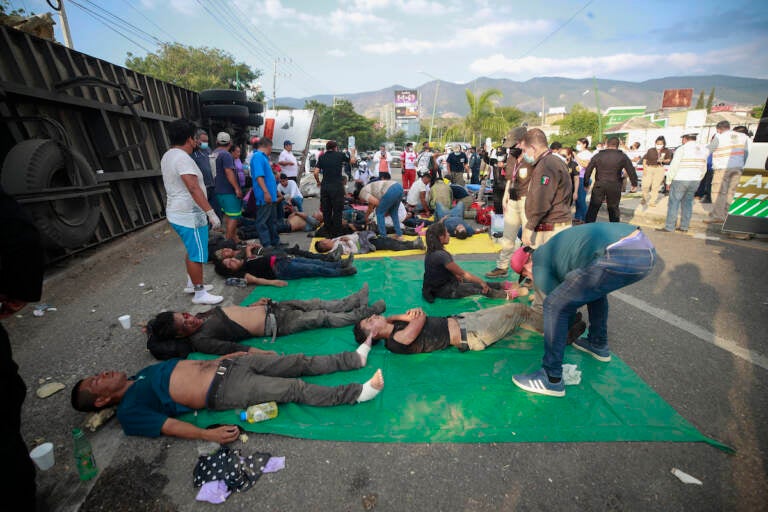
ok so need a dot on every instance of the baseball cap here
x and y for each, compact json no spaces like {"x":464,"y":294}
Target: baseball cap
{"x":286,"y":143}
{"x":519,"y":259}
{"x":223,"y":137}
{"x":514,"y":136}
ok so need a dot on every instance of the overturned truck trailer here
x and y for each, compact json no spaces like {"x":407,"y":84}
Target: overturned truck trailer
{"x":81,"y":139}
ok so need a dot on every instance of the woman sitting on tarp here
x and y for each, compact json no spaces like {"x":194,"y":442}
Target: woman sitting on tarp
{"x":445,"y":279}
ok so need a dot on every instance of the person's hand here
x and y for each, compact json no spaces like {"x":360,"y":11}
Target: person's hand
{"x":261,"y":302}
{"x":486,"y":288}
{"x":527,"y":235}
{"x":633,"y":189}
{"x":575,"y":195}
{"x":254,"y":350}
{"x":239,"y":353}
{"x":213,"y":219}
{"x":224,"y":434}
{"x":239,"y":193}
{"x":279,"y":283}
{"x":267,"y":197}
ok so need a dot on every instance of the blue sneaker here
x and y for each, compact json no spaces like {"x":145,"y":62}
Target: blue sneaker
{"x":601,"y":354}
{"x":539,"y":383}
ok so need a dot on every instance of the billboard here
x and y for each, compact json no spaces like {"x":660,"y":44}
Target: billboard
{"x":677,"y":98}
{"x":407,"y":104}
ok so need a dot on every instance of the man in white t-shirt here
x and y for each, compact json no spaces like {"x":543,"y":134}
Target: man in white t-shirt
{"x":418,"y":194}
{"x":291,"y":192}
{"x":187,"y":207}
{"x":408,"y":158}
{"x":288,"y":163}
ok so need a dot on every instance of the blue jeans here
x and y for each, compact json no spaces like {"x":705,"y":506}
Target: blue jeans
{"x":680,"y":197}
{"x":624,"y":263}
{"x":388,"y":204}
{"x":296,"y":268}
{"x":298,"y":202}
{"x":455,"y":218}
{"x":581,"y":202}
{"x":266,"y":224}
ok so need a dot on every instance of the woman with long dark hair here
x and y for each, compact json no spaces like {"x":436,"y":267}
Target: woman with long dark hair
{"x":444,"y":278}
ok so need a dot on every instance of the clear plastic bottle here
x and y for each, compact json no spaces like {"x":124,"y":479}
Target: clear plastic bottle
{"x":236,"y":281}
{"x":259,"y":412}
{"x":84,"y":460}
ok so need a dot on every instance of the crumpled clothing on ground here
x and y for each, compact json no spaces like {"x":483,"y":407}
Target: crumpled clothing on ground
{"x":213,"y":492}
{"x":238,"y":472}
{"x":274,"y":464}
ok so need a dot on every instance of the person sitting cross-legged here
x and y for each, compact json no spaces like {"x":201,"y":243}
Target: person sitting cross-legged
{"x":415,"y":332}
{"x":219,"y":330}
{"x":148,"y":403}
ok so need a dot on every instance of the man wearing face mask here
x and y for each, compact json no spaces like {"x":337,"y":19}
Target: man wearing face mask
{"x":548,"y":202}
{"x":608,"y":164}
{"x":201,"y":154}
{"x":457,"y":164}
{"x":518,"y":176}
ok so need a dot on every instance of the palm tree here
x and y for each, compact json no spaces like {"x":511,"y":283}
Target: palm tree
{"x":481,"y":108}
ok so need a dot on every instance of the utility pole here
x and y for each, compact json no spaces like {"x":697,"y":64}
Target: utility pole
{"x":599,"y":113}
{"x":542,"y":111}
{"x":434,"y":108}
{"x":274,"y":80}
{"x":65,"y":26}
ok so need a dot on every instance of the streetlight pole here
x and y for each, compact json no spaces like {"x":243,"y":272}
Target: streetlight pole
{"x":434,"y":104}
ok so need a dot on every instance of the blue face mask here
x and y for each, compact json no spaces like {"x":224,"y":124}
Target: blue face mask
{"x":528,"y":158}
{"x":203,"y":145}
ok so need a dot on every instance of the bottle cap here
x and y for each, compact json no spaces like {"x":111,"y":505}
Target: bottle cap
{"x":243,"y":416}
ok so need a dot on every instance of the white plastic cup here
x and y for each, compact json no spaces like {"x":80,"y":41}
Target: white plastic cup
{"x":43,"y":456}
{"x":125,"y":321}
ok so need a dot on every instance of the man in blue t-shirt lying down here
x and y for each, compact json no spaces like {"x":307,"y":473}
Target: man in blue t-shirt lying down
{"x":148,"y":403}
{"x":580,"y":266}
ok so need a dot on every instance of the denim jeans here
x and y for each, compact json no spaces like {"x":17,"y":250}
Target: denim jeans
{"x":455,"y":218}
{"x":624,"y":263}
{"x":388,"y":204}
{"x":266,"y":224}
{"x":581,"y":202}
{"x":680,"y":197}
{"x":296,"y":268}
{"x":298,"y":202}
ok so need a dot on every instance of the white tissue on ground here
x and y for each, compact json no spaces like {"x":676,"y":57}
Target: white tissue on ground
{"x":571,"y":375}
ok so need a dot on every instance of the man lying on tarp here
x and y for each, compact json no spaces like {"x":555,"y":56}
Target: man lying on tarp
{"x":149,"y":402}
{"x":218,"y":331}
{"x":414,"y":332}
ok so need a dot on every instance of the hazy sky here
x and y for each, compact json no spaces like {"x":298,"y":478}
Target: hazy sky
{"x":349,"y":46}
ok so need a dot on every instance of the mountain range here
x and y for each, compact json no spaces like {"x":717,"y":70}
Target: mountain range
{"x":555,"y":92}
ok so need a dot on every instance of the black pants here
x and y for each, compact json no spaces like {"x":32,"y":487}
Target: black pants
{"x":383,"y":243}
{"x":611,"y":192}
{"x":20,"y":480}
{"x":705,"y":186}
{"x":332,"y":206}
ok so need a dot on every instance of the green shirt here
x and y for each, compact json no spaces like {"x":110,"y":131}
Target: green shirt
{"x":574,"y":248}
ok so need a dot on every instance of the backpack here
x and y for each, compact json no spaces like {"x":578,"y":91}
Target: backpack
{"x":484,"y":215}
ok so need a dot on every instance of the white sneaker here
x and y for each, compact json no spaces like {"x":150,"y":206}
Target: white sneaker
{"x":208,"y":299}
{"x":191,"y":289}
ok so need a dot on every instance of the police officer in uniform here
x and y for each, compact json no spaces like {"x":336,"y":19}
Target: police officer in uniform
{"x":609,"y":164}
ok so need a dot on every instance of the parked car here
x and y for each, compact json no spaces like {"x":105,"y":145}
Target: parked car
{"x":395,"y":160}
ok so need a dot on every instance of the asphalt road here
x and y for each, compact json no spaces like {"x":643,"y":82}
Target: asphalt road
{"x":704,"y":293}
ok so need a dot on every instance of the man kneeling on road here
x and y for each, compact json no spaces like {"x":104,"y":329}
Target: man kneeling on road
{"x":148,"y":403}
{"x":580,"y":266}
{"x":217,"y":331}
{"x":414,"y":332}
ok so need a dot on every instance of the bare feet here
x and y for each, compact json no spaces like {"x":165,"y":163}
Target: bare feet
{"x":372,"y":387}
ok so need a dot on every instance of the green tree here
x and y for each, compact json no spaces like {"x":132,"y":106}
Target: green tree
{"x":339,"y":121}
{"x":194,"y":68}
{"x":580,"y":122}
{"x":481,"y":108}
{"x":399,"y":139}
{"x":700,"y":101}
{"x":711,"y":100}
{"x":757,"y":112}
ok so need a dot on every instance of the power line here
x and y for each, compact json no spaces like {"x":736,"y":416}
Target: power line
{"x":126,"y":24}
{"x":108,"y":25}
{"x":130,"y":4}
{"x":558,"y":29}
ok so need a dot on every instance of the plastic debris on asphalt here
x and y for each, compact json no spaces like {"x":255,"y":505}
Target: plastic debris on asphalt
{"x":571,"y":376}
{"x":685,"y":477}
{"x":40,"y":309}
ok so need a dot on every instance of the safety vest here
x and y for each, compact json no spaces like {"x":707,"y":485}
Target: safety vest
{"x":690,"y":162}
{"x":729,"y":150}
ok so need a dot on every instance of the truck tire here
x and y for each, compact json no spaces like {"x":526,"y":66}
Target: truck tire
{"x":37,"y":164}
{"x":236,"y":113}
{"x":255,"y":107}
{"x":223,"y":97}
{"x":255,"y":120}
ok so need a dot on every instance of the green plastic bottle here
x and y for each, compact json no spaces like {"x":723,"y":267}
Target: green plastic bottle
{"x":259,"y":412}
{"x":84,"y":460}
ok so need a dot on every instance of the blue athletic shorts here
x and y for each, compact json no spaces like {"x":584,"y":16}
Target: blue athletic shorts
{"x":230,"y":205}
{"x":195,"y":240}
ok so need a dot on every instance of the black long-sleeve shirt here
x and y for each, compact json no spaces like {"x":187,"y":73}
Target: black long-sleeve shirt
{"x":609,"y":163}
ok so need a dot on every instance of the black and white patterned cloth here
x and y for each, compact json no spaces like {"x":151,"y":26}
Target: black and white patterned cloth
{"x":237,"y":471}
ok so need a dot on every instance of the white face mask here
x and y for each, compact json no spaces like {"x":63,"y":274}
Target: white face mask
{"x":659,"y":148}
